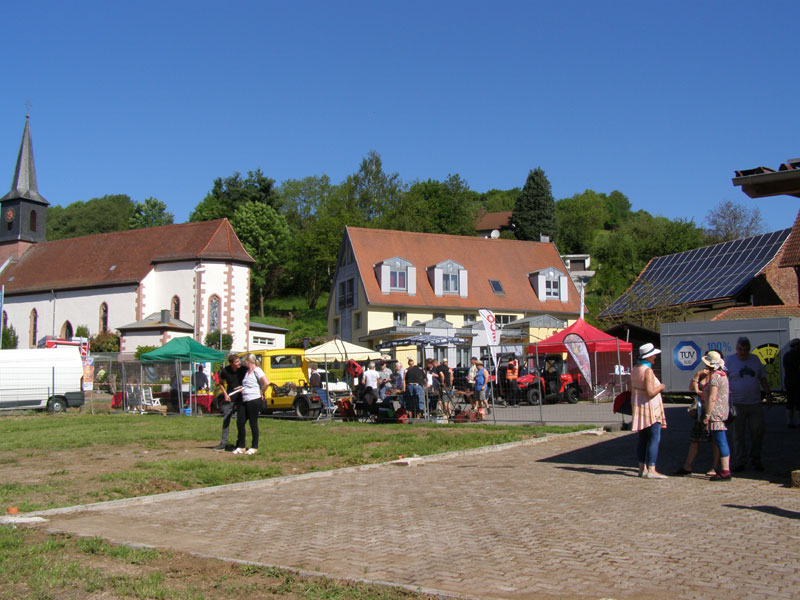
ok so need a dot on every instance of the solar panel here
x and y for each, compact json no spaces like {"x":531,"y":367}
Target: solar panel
{"x":708,"y":273}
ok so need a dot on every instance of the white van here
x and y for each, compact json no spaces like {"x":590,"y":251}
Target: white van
{"x":41,"y":378}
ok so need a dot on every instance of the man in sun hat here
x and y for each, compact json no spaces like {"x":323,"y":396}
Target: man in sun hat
{"x":748,"y":377}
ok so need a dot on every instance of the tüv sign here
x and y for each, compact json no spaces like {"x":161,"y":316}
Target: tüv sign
{"x":686,"y":355}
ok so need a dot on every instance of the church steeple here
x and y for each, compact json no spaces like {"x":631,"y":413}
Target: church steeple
{"x":23,"y":209}
{"x":24,"y":184}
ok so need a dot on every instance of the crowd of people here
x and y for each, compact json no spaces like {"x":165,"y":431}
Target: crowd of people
{"x":727,"y":411}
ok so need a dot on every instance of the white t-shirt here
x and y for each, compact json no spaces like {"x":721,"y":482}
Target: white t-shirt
{"x":745,"y":377}
{"x":371,"y":379}
{"x":251,"y":388}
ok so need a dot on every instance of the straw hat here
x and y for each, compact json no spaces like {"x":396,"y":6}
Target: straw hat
{"x":713,"y":359}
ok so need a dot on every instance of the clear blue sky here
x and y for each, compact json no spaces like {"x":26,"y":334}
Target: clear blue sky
{"x":660,"y":100}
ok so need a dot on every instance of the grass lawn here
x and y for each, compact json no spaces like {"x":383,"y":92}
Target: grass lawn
{"x":49,"y":461}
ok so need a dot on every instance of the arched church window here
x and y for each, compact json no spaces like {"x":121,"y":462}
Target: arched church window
{"x":33,"y":220}
{"x":67,"y":331}
{"x":176,"y":307}
{"x":213,"y":314}
{"x":103,"y":317}
{"x":34,"y":329}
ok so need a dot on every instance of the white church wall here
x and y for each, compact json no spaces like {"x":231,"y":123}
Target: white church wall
{"x":79,"y":307}
{"x":163,"y":283}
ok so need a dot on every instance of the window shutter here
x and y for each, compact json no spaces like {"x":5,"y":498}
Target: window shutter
{"x":437,"y":282}
{"x":411,"y":281}
{"x":563,"y":290}
{"x":384,"y":278}
{"x":541,"y":286}
{"x":462,"y":283}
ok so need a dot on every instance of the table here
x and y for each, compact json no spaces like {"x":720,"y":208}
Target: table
{"x":204,"y":401}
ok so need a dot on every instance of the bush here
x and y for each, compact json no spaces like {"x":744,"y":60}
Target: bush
{"x":82,"y":331}
{"x":104,"y":342}
{"x":143,"y":349}
{"x":10,"y":338}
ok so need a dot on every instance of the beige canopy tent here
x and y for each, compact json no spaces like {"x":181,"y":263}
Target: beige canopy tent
{"x":340,"y":350}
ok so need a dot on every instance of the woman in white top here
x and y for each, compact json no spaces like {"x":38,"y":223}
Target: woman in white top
{"x":253,"y":387}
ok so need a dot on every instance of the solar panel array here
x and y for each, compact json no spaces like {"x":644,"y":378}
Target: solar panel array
{"x":708,"y":273}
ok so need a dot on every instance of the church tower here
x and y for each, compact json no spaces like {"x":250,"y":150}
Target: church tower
{"x":23,"y":217}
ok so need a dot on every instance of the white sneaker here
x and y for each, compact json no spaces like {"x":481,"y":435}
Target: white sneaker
{"x":251,"y":451}
{"x":239,"y":451}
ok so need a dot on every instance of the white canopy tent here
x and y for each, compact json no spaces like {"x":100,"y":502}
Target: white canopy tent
{"x":340,"y":350}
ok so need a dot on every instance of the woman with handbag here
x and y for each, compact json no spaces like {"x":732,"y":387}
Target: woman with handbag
{"x":716,"y":411}
{"x":648,"y":411}
{"x":699,"y":432}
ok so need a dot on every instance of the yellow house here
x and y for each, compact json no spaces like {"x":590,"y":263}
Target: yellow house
{"x":390,"y":285}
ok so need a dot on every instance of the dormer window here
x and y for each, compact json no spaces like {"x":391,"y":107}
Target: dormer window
{"x":396,"y":275}
{"x":549,"y":284}
{"x":448,"y":277}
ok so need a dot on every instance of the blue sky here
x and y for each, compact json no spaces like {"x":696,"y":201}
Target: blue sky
{"x":660,"y":100}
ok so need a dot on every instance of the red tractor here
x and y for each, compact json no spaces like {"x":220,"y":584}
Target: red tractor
{"x":549,"y":382}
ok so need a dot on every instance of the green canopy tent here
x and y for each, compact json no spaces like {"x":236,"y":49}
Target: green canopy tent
{"x":183,"y":349}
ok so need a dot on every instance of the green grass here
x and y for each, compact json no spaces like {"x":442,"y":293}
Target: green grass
{"x":292,"y":313}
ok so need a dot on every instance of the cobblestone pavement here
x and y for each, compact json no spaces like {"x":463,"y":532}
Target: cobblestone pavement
{"x":565,"y":518}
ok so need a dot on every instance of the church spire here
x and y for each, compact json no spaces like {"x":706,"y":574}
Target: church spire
{"x":24,"y":187}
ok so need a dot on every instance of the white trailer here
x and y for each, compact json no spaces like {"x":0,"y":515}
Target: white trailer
{"x":683,"y":345}
{"x":41,"y":378}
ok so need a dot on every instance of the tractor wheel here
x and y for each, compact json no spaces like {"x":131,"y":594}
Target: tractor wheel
{"x":572,"y":395}
{"x":534,"y":396}
{"x":56,"y":405}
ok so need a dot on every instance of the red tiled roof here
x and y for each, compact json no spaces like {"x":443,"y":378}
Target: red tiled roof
{"x":757,"y":312}
{"x":508,"y":261}
{"x":791,"y":251}
{"x":87,"y":261}
{"x":493,"y":220}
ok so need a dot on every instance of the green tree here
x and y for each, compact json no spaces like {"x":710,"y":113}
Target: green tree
{"x":499,"y":200}
{"x":265,"y":235}
{"x":370,"y":193}
{"x":143,"y":350}
{"x":315,"y":235}
{"x":731,"y":220}
{"x":579,"y":219}
{"x":150,"y":213}
{"x":98,"y":215}
{"x":10,"y":339}
{"x":534,"y":211}
{"x":82,"y":331}
{"x":212,"y":340}
{"x":619,"y":208}
{"x":229,"y":194}
{"x":436,"y":207}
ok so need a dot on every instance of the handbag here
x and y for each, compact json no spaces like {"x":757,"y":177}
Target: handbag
{"x":622,"y":403}
{"x":732,"y":414}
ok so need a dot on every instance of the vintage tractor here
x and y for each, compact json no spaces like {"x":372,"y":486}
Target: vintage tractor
{"x":549,"y":382}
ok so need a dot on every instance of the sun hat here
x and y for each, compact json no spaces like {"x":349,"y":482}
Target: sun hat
{"x":713,"y":359}
{"x":648,"y":350}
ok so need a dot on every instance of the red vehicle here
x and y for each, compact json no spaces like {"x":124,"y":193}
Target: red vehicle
{"x":550,"y":382}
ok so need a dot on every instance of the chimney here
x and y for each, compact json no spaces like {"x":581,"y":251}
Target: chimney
{"x":165,"y":316}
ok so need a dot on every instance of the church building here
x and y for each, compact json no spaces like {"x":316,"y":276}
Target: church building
{"x":151,"y":284}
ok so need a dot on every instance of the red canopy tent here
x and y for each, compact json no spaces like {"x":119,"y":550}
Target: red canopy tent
{"x":609,"y":367}
{"x":596,"y":340}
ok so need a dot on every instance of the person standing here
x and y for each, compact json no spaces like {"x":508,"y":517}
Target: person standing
{"x":791,"y":380}
{"x":446,"y":379}
{"x":254,"y":384}
{"x":384,"y":379}
{"x":231,"y":377}
{"x":413,"y":385}
{"x":747,"y":378}
{"x":511,"y":389}
{"x":370,"y":379}
{"x":715,"y":411}
{"x":648,"y":411}
{"x":315,"y":381}
{"x":199,"y":380}
{"x":481,"y":385}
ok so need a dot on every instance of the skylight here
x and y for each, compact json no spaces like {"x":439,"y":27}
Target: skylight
{"x":497,"y":287}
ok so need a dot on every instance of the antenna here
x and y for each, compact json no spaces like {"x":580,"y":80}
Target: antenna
{"x":495,"y":234}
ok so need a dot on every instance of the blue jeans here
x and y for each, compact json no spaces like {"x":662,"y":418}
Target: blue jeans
{"x":647,"y":448}
{"x":721,"y":441}
{"x":415,"y":388}
{"x":323,"y":395}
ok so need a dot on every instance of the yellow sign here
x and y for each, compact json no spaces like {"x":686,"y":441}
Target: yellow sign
{"x":769,"y":355}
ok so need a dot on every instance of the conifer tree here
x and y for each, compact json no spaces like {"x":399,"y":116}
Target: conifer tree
{"x":534,"y":212}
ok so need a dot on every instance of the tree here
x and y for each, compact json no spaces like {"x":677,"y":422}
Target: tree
{"x":212,"y":340}
{"x":82,"y":331}
{"x":10,"y":339}
{"x":265,"y":235}
{"x":579,"y":219}
{"x":436,"y":207}
{"x":534,"y":211}
{"x":498,"y":200}
{"x":731,"y":220}
{"x":370,"y":193}
{"x":150,"y":213}
{"x":98,"y":215}
{"x":143,"y":350}
{"x":229,"y":194}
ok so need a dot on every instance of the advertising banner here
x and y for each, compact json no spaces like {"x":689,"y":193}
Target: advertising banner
{"x":577,"y":349}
